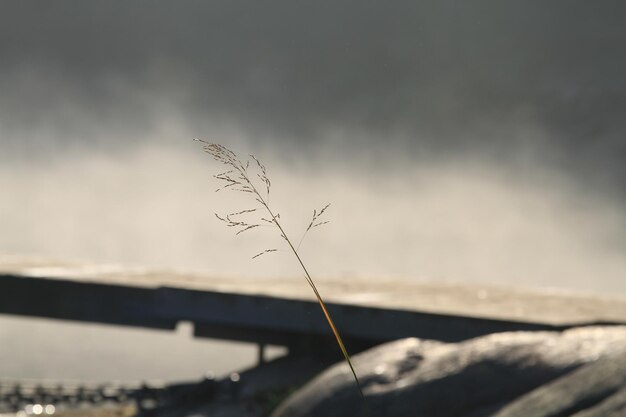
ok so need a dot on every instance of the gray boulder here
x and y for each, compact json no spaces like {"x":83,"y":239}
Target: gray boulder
{"x":597,"y":389}
{"x":413,"y":378}
{"x":612,"y":406}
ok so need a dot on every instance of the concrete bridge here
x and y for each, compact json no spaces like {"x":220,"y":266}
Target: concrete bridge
{"x":283,"y":311}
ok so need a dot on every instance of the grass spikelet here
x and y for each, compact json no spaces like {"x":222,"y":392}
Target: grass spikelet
{"x":264,"y":252}
{"x":238,"y":177}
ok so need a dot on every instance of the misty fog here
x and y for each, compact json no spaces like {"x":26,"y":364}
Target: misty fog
{"x":456,"y":141}
{"x":459,"y":142}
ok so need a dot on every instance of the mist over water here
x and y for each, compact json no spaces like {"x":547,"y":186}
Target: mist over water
{"x":478,"y":142}
{"x":461,"y":143}
{"x":454,"y":220}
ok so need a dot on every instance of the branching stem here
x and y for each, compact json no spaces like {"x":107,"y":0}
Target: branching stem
{"x":243,"y":182}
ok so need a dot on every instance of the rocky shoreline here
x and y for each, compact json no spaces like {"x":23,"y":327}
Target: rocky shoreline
{"x":578,"y":372}
{"x":486,"y":376}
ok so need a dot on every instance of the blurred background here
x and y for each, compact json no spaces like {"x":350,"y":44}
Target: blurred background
{"x":456,"y":141}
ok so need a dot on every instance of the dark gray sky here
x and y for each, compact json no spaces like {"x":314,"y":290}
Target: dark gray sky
{"x":438,"y":76}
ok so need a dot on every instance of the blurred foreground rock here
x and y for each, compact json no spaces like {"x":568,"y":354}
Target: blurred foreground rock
{"x":505,"y":375}
{"x":597,"y":389}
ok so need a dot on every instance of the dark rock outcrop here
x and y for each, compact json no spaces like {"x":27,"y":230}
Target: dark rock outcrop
{"x":597,"y":389}
{"x":479,"y":377}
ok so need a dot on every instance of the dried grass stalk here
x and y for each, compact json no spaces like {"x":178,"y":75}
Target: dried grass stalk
{"x":238,"y":177}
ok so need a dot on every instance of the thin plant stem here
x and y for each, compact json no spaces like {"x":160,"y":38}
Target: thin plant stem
{"x":320,"y":301}
{"x":243,"y":183}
